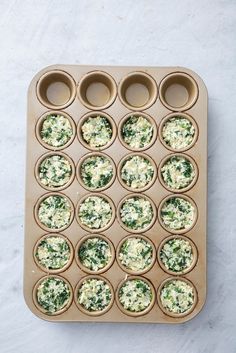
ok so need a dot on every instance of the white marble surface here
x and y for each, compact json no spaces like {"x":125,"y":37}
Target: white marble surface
{"x":196,"y":34}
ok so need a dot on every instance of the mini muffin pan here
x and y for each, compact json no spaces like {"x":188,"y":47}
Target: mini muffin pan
{"x":77,"y":93}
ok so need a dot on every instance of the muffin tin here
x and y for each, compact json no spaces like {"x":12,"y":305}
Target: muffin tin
{"x":78,"y":92}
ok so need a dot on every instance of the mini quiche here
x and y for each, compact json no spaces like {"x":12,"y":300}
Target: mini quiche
{"x":136,"y":213}
{"x":178,"y":132}
{"x":94,"y":295}
{"x":53,"y":295}
{"x":53,"y":252}
{"x":136,"y":254}
{"x":96,"y":131}
{"x":176,"y":255}
{"x":177,"y":214}
{"x":177,"y":172}
{"x":95,"y":212}
{"x":94,"y":253}
{"x":177,"y":297}
{"x":137,"y":172}
{"x":135,"y":295}
{"x":137,"y":131}
{"x":54,"y":171}
{"x":96,"y":172}
{"x":56,"y":130}
{"x":55,"y":212}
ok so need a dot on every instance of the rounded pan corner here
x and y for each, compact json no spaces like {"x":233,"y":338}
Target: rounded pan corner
{"x":197,"y":311}
{"x":195,"y":75}
{"x":33,"y":310}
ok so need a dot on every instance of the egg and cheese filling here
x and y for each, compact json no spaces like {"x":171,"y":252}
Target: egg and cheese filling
{"x":95,"y":212}
{"x":53,"y":294}
{"x":94,"y":294}
{"x":94,"y":253}
{"x":55,"y":171}
{"x":135,"y":295}
{"x":55,"y":211}
{"x":177,"y":172}
{"x":96,"y":131}
{"x":136,"y":254}
{"x":96,"y":172}
{"x":177,"y":213}
{"x":56,"y":130}
{"x":137,"y":131}
{"x":177,"y":296}
{"x":178,"y":132}
{"x":137,"y":172}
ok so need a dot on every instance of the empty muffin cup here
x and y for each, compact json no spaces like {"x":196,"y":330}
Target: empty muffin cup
{"x":53,"y":253}
{"x":54,"y":171}
{"x":96,"y":171}
{"x":94,"y":253}
{"x":178,"y":91}
{"x":56,"y":89}
{"x":94,"y":295}
{"x":135,"y":254}
{"x":137,"y":91}
{"x":177,"y":297}
{"x":96,"y":130}
{"x":135,"y":296}
{"x":52,"y":295}
{"x":97,"y":90}
{"x":177,"y":254}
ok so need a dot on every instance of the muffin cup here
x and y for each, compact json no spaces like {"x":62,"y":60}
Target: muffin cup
{"x":183,"y":115}
{"x":38,"y":306}
{"x":39,"y":127}
{"x":56,"y":89}
{"x":49,"y":271}
{"x":137,"y":231}
{"x":178,"y":91}
{"x":50,"y":154}
{"x":133,"y":313}
{"x":81,"y":308}
{"x":193,"y":182}
{"x":153,"y":254}
{"x":36,"y":208}
{"x":97,"y":90}
{"x":137,"y":91}
{"x":93,"y":154}
{"x":84,"y":268}
{"x":121,"y":163}
{"x":169,"y":313}
{"x":94,"y":114}
{"x":97,"y":230}
{"x":180,"y":231}
{"x":123,"y":121}
{"x":195,"y":255}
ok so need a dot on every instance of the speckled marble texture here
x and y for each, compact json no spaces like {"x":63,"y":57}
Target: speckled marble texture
{"x":196,"y":34}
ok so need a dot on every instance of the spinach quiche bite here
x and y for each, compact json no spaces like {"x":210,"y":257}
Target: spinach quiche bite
{"x":95,"y":212}
{"x":137,"y":131}
{"x":136,"y":172}
{"x":177,"y":213}
{"x":94,"y":295}
{"x":136,"y":213}
{"x":135,"y":296}
{"x":52,"y":295}
{"x":54,"y":171}
{"x":53,"y":253}
{"x":177,"y":172}
{"x":177,"y":297}
{"x":96,"y":131}
{"x":178,"y":132}
{"x":136,"y":254}
{"x":55,"y":130}
{"x":177,"y":254}
{"x":54,"y":212}
{"x":96,"y":172}
{"x":94,"y":253}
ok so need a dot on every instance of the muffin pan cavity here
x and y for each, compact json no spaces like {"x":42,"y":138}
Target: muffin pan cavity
{"x":116,"y":194}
